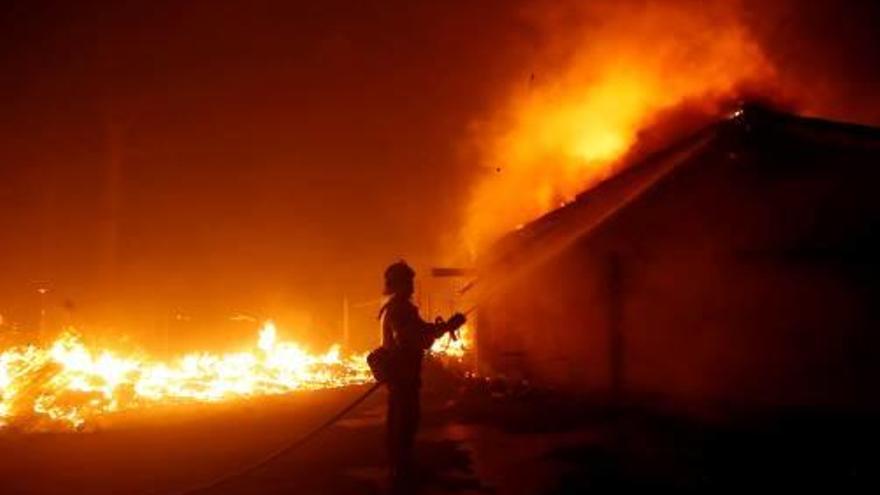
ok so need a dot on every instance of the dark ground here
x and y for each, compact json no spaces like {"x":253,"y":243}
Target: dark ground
{"x":473,"y":441}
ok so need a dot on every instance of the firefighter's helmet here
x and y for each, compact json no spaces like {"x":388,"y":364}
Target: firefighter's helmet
{"x":398,"y":278}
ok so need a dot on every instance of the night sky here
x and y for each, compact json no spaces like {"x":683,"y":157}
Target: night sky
{"x":214,"y":157}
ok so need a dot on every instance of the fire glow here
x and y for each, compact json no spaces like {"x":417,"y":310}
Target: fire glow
{"x":67,"y":384}
{"x":604,"y":73}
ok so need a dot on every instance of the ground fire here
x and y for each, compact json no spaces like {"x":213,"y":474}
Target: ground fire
{"x":67,"y":383}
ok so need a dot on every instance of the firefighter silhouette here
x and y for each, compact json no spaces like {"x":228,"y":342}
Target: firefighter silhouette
{"x":406,"y":336}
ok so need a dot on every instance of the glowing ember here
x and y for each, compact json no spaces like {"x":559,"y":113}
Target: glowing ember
{"x":68,"y":383}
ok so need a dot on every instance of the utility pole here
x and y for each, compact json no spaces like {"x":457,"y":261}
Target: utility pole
{"x":346,"y":334}
{"x":165,"y":331}
{"x":42,"y":326}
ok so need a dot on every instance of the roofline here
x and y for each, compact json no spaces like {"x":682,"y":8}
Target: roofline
{"x":746,"y":116}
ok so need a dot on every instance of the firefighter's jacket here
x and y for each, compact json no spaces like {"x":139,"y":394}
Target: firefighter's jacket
{"x":408,"y":337}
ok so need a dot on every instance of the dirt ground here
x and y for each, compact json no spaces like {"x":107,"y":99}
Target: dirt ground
{"x":473,"y":441}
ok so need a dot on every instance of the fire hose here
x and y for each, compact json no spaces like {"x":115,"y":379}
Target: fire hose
{"x":228,"y":476}
{"x":380,"y":364}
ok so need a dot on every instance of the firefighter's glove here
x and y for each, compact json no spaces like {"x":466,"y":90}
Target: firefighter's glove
{"x":456,"y":321}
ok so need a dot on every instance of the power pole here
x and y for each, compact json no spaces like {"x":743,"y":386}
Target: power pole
{"x":42,"y":327}
{"x":346,"y":334}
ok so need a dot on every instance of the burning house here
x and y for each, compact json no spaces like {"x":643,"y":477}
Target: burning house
{"x":734,"y":269}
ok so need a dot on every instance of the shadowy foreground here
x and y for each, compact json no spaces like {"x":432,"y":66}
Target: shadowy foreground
{"x":473,"y":441}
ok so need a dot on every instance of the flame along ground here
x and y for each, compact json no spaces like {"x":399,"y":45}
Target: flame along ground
{"x":66,"y":384}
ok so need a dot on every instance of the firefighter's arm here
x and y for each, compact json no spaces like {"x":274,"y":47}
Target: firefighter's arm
{"x":421,"y":333}
{"x":412,"y":331}
{"x":441,"y":327}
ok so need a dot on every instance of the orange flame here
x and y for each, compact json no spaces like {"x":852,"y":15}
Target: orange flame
{"x":618,"y":68}
{"x":68,"y":384}
{"x":448,"y":347}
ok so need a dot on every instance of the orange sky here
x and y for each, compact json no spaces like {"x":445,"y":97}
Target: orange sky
{"x":208,"y":158}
